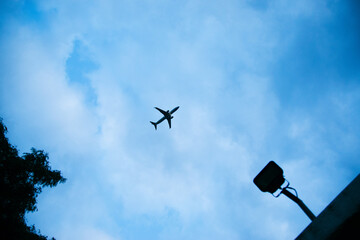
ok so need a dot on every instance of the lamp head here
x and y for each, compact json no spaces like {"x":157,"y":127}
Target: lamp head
{"x":270,"y":178}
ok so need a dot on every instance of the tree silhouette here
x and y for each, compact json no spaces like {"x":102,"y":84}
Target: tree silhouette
{"x":21,"y":181}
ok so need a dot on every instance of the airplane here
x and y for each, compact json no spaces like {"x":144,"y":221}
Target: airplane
{"x":167,"y":116}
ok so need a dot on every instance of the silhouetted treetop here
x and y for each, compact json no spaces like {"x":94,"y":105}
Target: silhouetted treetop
{"x":21,"y":181}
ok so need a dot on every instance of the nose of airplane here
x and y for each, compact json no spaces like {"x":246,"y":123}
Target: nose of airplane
{"x":174,"y":110}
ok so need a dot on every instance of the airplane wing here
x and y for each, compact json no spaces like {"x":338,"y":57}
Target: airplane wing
{"x":160,"y":110}
{"x":169,"y":121}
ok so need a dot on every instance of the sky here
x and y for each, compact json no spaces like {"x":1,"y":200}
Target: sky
{"x":255,"y":80}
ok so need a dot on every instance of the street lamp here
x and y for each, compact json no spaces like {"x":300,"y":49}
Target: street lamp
{"x":271,"y":178}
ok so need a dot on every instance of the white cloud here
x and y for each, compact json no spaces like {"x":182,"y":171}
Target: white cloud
{"x":215,"y":63}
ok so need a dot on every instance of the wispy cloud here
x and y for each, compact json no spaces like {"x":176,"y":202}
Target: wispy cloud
{"x":255,"y":81}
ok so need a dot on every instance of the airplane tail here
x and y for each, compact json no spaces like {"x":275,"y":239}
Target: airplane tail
{"x":154,"y":125}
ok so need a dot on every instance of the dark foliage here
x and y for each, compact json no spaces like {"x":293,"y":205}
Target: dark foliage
{"x":21,"y":181}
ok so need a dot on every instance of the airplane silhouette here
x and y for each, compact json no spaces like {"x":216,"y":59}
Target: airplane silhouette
{"x":167,"y":116}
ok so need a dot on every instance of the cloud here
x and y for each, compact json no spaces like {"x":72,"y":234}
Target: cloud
{"x":255,"y":81}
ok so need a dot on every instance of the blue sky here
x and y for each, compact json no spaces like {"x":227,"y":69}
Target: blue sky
{"x":255,"y":81}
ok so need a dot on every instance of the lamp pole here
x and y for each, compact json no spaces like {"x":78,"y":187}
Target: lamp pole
{"x":300,"y":203}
